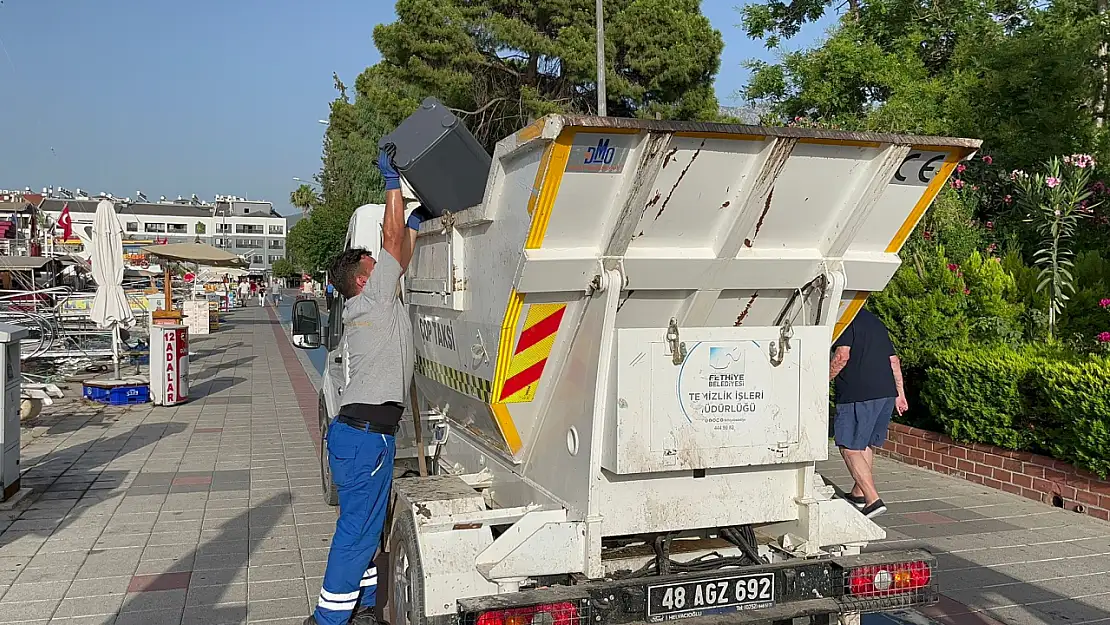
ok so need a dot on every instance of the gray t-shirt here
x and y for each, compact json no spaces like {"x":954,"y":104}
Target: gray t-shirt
{"x":377,"y":340}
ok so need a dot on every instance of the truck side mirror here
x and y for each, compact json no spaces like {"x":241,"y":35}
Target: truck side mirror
{"x":306,"y":324}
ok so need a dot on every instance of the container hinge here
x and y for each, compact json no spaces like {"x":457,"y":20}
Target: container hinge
{"x":779,"y":349}
{"x":678,"y":348}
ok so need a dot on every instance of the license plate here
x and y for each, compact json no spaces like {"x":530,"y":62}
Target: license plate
{"x":681,"y":600}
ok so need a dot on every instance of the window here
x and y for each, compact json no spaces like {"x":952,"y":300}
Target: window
{"x":223,"y":243}
{"x":248,"y":243}
{"x":154,"y":227}
{"x":276,"y":244}
{"x":274,"y":259}
{"x":223,"y":227}
{"x":200,"y":228}
{"x":277,"y":229}
{"x":247,"y":229}
{"x":177,"y":228}
{"x":132,"y":226}
{"x":257,"y":260}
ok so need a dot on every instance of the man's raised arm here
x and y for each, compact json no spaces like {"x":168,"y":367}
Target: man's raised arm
{"x":393,"y":224}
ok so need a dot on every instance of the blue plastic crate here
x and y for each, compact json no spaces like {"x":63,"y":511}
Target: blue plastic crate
{"x":118,"y":395}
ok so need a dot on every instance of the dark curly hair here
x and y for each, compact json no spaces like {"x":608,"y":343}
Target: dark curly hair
{"x":346,"y":269}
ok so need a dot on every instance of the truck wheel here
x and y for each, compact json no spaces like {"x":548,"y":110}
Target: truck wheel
{"x":331,"y":494}
{"x":406,"y":576}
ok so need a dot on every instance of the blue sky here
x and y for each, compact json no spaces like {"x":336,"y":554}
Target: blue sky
{"x":205,"y":96}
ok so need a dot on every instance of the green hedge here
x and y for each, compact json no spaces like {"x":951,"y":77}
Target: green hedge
{"x":1023,"y":399}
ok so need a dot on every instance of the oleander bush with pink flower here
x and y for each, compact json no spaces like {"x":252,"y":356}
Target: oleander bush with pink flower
{"x":1001,"y":310}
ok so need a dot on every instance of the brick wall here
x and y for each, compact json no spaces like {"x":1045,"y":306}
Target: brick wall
{"x":1035,"y":477}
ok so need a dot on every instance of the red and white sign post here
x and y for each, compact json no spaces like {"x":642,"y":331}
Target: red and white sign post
{"x":169,"y":364}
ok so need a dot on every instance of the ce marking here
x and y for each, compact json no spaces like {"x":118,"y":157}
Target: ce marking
{"x":926,"y":171}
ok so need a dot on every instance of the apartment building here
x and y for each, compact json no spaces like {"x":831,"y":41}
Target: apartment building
{"x":249,"y":228}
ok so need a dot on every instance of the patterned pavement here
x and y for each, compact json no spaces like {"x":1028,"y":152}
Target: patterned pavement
{"x":208,"y":512}
{"x":211,"y":513}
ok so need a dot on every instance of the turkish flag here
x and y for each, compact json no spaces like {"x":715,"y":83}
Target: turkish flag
{"x":66,"y":222}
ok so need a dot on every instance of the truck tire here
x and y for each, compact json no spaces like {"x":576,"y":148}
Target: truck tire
{"x":406,"y":576}
{"x":331,"y":493}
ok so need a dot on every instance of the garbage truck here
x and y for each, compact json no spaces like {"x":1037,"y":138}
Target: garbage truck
{"x":622,"y":358}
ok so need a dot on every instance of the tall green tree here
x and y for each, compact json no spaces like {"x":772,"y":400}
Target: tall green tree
{"x":1020,"y":75}
{"x":502,"y":63}
{"x":283,"y":268}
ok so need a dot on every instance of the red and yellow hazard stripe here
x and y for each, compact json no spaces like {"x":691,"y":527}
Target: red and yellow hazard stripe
{"x":537,"y":337}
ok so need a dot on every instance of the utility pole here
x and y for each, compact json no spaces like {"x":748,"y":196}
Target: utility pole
{"x":600,"y":60}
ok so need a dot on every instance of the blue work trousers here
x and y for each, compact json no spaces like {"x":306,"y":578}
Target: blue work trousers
{"x":362,"y":469}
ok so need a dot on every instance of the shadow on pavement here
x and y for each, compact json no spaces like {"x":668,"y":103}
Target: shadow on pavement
{"x":1011,"y":584}
{"x":213,"y":386}
{"x":205,"y":353}
{"x":974,"y":593}
{"x":214,"y":565}
{"x":213,"y":369}
{"x":63,"y":477}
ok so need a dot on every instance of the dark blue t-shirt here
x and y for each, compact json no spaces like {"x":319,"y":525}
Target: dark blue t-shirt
{"x":868,"y":374}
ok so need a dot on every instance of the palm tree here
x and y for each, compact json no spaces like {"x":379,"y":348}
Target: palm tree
{"x":304,"y":198}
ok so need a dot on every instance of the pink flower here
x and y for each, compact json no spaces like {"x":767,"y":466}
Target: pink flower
{"x":961,"y":168}
{"x":928,"y":235}
{"x":990,"y":225}
{"x":967,"y":291}
{"x":953,"y":267}
{"x":1052,"y":182}
{"x":974,"y":187}
{"x":1082,"y":161}
{"x":1008,"y":199}
{"x":992,"y":247}
{"x":1103,"y":337}
{"x":958,"y":184}
{"x":1105,"y":302}
{"x":988,"y":160}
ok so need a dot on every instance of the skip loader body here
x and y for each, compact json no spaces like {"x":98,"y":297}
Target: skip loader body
{"x":622,"y":360}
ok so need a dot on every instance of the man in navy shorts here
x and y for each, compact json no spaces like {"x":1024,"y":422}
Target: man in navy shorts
{"x":868,"y":390}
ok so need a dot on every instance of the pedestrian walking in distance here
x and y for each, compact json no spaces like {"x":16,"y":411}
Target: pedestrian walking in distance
{"x":868,"y":389}
{"x":377,"y":365}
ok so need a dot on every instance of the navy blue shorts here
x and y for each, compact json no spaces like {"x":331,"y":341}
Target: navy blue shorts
{"x":862,"y":424}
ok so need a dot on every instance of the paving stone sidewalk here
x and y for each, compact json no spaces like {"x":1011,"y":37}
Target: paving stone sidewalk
{"x":209,"y":512}
{"x":1002,"y":558}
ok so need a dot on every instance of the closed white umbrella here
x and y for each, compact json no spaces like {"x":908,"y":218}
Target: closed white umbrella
{"x":110,"y":308}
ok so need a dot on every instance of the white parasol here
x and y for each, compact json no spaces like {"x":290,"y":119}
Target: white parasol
{"x":110,"y":308}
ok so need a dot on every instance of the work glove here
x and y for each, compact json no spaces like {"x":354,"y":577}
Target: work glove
{"x":418,"y":216}
{"x":385,"y":165}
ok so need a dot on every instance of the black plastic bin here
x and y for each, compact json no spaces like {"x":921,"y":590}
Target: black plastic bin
{"x":442,"y":162}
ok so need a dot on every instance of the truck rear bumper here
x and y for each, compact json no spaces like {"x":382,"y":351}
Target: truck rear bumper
{"x":856,"y":584}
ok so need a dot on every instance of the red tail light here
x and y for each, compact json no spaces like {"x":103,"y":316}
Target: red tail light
{"x":888,"y":579}
{"x":549,"y":614}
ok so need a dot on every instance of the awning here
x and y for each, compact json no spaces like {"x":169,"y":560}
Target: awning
{"x":201,"y":253}
{"x":25,"y":263}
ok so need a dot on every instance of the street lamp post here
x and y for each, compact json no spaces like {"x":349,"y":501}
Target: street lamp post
{"x":312,"y":183}
{"x":600,"y":60}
